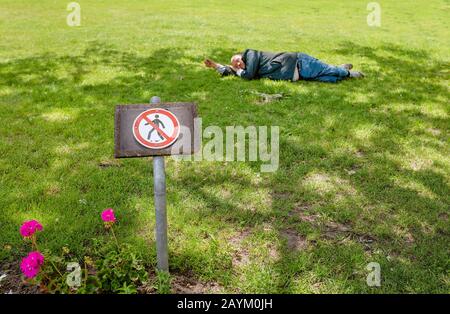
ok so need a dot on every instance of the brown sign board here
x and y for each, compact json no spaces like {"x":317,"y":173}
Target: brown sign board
{"x":173,"y":125}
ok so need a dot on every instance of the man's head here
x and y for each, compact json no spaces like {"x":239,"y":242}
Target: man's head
{"x":237,"y":62}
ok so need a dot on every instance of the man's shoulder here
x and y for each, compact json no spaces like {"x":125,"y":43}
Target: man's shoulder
{"x":252,"y":53}
{"x":248,"y":50}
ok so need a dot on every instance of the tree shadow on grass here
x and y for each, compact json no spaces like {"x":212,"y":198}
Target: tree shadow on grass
{"x":60,"y":110}
{"x":331,"y":167}
{"x":397,"y":205}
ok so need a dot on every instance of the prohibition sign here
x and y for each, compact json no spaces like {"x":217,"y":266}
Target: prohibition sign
{"x":156,"y":128}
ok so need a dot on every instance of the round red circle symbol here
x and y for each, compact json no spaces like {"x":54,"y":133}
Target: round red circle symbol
{"x":156,"y":128}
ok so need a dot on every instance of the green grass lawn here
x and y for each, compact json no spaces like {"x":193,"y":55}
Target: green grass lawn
{"x":364,"y":165}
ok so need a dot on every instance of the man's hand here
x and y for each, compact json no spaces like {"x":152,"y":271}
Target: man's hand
{"x":210,"y":64}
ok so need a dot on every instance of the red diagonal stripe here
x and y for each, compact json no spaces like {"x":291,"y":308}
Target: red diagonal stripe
{"x":167,"y":137}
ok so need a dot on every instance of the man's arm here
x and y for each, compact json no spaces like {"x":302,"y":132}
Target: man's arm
{"x":224,"y":70}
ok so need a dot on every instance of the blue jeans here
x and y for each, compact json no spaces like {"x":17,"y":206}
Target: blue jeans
{"x":312,"y":69}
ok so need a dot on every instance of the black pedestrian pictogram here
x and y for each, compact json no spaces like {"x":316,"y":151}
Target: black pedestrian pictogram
{"x":164,"y":122}
{"x":158,"y":124}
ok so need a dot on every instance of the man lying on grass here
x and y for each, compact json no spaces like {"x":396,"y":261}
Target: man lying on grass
{"x":290,"y":66}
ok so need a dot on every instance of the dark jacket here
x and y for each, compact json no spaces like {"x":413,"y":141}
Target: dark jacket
{"x":275,"y":66}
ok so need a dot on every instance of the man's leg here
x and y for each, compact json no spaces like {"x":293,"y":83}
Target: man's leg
{"x":314,"y":69}
{"x":327,"y":79}
{"x":150,"y":134}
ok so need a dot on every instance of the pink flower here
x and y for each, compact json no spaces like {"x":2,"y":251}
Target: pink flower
{"x":31,"y":264}
{"x":28,"y":268}
{"x":36,"y":257}
{"x":28,"y":228}
{"x":108,"y":215}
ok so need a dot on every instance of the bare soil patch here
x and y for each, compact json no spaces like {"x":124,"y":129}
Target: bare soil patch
{"x":241,"y":255}
{"x":295,"y":241}
{"x":14,"y":282}
{"x":185,"y":284}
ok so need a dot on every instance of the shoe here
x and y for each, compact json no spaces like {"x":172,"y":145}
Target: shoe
{"x":356,"y":74}
{"x":347,"y":66}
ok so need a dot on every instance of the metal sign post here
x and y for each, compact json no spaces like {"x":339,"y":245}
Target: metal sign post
{"x":154,"y":129}
{"x":159,"y":188}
